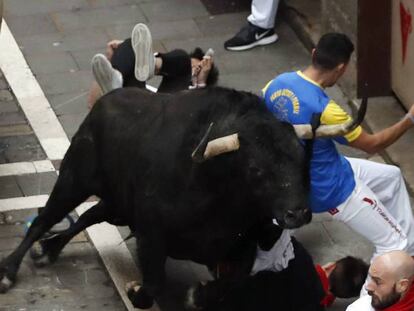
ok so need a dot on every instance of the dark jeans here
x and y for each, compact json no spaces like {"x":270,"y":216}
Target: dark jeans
{"x":176,"y":68}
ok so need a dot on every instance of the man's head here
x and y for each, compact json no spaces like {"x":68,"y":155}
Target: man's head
{"x":346,"y":276}
{"x":331,"y":55}
{"x":390,"y":277}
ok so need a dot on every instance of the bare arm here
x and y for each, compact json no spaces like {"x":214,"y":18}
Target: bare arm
{"x":373,"y":143}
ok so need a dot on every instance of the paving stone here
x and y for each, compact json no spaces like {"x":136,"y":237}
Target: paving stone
{"x":8,"y":106}
{"x":11,"y":118}
{"x":226,"y":6}
{"x":9,"y":187}
{"x":70,"y":41}
{"x":88,"y":18}
{"x":35,"y":184}
{"x":3,"y":84}
{"x":21,"y":148}
{"x":53,"y":62}
{"x":71,"y":122}
{"x":9,"y":244}
{"x":6,"y":95}
{"x":24,"y":8}
{"x":69,"y":103}
{"x":348,"y":241}
{"x":16,"y":217}
{"x":173,"y":10}
{"x":76,"y":274}
{"x":64,"y":82}
{"x":83,"y":57}
{"x":221,"y":24}
{"x":111,"y":3}
{"x":39,"y":44}
{"x":31,"y":24}
{"x":15,"y":130}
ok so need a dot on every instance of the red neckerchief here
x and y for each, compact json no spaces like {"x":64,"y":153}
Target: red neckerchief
{"x":329,"y":298}
{"x":406,"y":304}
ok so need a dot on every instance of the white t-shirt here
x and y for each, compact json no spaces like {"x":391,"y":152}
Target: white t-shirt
{"x":362,"y":304}
{"x":277,"y":258}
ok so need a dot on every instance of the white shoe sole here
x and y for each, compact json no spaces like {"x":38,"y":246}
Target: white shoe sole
{"x":107,"y":78}
{"x":265,"y":41}
{"x":144,"y":57}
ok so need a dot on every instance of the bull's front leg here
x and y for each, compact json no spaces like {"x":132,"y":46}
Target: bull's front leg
{"x":152,"y":256}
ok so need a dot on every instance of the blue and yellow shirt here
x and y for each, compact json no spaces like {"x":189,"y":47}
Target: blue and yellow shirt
{"x":293,"y":97}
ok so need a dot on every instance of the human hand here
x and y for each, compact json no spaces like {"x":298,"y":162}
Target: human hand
{"x":410,"y":114}
{"x":111,"y":46}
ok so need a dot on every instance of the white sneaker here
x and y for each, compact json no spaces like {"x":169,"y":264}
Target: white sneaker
{"x":144,"y":57}
{"x":107,"y":77}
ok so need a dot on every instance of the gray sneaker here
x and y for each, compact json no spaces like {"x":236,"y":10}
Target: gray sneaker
{"x":107,"y":77}
{"x":144,"y":57}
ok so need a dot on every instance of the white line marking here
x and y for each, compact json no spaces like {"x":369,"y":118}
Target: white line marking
{"x":55,"y":143}
{"x":22,"y":168}
{"x":31,"y":97}
{"x":14,"y":204}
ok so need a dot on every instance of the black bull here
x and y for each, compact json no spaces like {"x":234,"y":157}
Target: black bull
{"x":134,"y":150}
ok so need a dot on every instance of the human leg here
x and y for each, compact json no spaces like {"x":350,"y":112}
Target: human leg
{"x":387,"y":182}
{"x":259,"y":30}
{"x":365,"y":214}
{"x":106,"y":77}
{"x":141,"y":40}
{"x":175,"y":70}
{"x":263,"y":13}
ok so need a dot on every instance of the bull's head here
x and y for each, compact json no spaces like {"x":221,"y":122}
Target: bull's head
{"x":277,"y":168}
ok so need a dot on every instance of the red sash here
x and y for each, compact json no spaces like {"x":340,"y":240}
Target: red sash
{"x":406,"y":304}
{"x":329,"y":298}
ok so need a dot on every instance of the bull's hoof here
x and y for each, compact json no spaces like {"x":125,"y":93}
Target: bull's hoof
{"x":195,"y":298}
{"x":43,"y":253}
{"x":5,"y":284}
{"x":138,"y":296}
{"x":36,"y":251}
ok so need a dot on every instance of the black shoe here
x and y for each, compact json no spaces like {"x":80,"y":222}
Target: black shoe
{"x":250,"y":36}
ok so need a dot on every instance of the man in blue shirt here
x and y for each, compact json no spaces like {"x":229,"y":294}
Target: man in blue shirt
{"x":369,"y":197}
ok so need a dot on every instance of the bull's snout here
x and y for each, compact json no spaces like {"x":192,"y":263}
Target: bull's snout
{"x":297,"y":218}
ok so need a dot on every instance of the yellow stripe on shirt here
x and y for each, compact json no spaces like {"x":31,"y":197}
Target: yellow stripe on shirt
{"x":334,"y":114}
{"x":266,"y":86}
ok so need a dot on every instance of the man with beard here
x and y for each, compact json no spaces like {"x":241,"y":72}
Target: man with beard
{"x":390,"y":284}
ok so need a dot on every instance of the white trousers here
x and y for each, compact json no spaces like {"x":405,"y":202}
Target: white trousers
{"x":263,"y":13}
{"x":379,"y":207}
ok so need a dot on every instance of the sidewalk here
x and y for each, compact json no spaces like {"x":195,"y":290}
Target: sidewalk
{"x":58,"y":40}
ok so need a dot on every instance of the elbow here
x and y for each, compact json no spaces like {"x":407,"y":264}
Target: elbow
{"x":371,"y":147}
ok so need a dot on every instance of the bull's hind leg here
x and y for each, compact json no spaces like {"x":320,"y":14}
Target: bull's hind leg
{"x":48,"y":249}
{"x":68,"y":192}
{"x":152,"y":256}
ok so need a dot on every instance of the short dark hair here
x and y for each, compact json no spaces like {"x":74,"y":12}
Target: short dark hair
{"x":332,"y":49}
{"x":214,"y":72}
{"x":348,"y":277}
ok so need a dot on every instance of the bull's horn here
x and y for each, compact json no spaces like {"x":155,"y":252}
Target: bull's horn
{"x":198,"y":153}
{"x":304,"y":131}
{"x":222,"y":145}
{"x":208,"y":149}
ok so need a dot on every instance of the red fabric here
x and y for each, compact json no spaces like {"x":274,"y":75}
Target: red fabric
{"x":329,"y":298}
{"x":406,"y":304}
